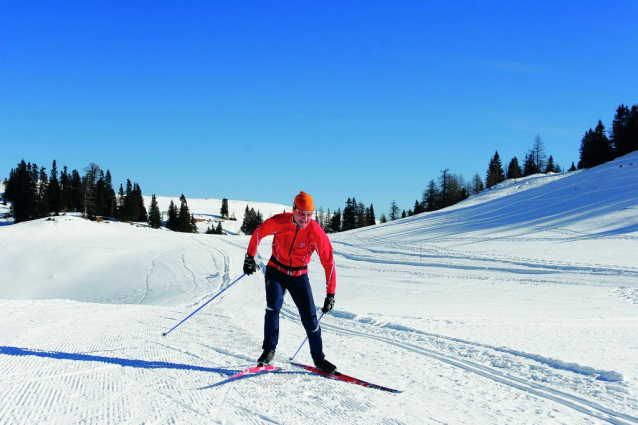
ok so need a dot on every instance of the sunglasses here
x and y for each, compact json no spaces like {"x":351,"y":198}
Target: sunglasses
{"x":304,"y":213}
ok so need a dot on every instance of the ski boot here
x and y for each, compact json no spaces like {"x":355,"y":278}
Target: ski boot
{"x":325,"y":366}
{"x":266,"y":358}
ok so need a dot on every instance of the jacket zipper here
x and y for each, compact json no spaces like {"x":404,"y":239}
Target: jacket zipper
{"x":290,"y":251}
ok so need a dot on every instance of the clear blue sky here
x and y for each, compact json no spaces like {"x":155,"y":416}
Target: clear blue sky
{"x":260,"y":99}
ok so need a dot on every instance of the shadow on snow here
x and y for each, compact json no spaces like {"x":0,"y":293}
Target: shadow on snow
{"x":143,"y":364}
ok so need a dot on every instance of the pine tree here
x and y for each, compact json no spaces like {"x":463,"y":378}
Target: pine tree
{"x":383,"y":218}
{"x":193,"y":226}
{"x":154,"y":217}
{"x":88,"y":200}
{"x":219,"y":230}
{"x":444,"y":186}
{"x":327,"y":222}
{"x":514,"y":169}
{"x":538,"y":154}
{"x":529,"y":167}
{"x":224,"y":209}
{"x":100,"y":195}
{"x":633,"y":129}
{"x":394,"y":211}
{"x":66,"y":199}
{"x":477,"y":185}
{"x":603,"y":146}
{"x":252,"y":220}
{"x":595,"y":148}
{"x":371,"y":217}
{"x":173,"y":220}
{"x":121,"y":197}
{"x":111,"y":200}
{"x":34,"y":176}
{"x":21,"y":193}
{"x":349,"y":215}
{"x":139,"y":202}
{"x":127,"y":210}
{"x":336,"y":221}
{"x":620,"y":134}
{"x":572,"y":168}
{"x":259,"y":219}
{"x":430,"y":197}
{"x":495,"y":173}
{"x":76,"y":191}
{"x":184,"y":216}
{"x":245,"y":222}
{"x":362,"y":216}
{"x":450,"y":189}
{"x":550,"y":165}
{"x":42,"y":195}
{"x":55,"y":193}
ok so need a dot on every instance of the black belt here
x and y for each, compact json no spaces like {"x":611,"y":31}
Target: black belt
{"x":288,"y":268}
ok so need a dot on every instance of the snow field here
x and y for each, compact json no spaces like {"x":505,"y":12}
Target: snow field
{"x":517,"y":306}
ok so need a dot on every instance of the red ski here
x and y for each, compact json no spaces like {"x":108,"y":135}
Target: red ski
{"x":254,"y":371}
{"x":345,"y":378}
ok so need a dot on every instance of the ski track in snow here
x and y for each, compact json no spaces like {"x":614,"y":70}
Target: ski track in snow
{"x":448,"y":258}
{"x":573,"y":401}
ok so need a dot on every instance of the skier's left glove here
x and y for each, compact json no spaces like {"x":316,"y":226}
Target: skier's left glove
{"x":329,"y":303}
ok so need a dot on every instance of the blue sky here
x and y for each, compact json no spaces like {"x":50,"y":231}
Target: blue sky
{"x":257,"y":100}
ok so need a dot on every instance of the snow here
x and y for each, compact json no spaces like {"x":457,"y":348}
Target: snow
{"x":518,"y":305}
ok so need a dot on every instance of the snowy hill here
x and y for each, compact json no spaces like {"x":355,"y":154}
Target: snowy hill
{"x":519,"y":305}
{"x":208,"y":210}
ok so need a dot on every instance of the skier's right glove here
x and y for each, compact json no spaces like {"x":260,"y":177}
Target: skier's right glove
{"x":249,"y":264}
{"x":329,"y":303}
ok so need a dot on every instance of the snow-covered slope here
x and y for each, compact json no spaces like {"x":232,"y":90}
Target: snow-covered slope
{"x":209,"y":211}
{"x":519,"y":305}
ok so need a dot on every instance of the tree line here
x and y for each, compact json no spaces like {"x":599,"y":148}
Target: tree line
{"x":353,"y":216}
{"x":34,"y":193}
{"x":596,"y":148}
{"x":536,"y":161}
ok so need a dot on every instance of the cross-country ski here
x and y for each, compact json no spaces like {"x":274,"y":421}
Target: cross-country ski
{"x":345,"y":378}
{"x":255,"y":371}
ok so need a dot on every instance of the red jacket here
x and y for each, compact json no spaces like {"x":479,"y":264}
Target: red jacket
{"x":293,"y":247}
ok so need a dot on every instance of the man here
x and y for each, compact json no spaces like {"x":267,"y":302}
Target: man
{"x":296,"y":237}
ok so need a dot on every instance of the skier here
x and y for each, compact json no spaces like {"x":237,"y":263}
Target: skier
{"x":296,"y":237}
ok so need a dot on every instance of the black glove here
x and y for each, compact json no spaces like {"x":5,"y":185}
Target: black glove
{"x":329,"y":303}
{"x":249,"y":264}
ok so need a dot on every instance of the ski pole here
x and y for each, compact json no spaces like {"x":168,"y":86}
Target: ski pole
{"x":216,"y":295}
{"x":304,"y":341}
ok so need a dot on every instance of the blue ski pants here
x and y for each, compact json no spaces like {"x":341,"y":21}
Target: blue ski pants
{"x":277,"y":283}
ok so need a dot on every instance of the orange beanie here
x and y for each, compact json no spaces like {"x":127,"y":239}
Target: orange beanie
{"x":304,"y":202}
